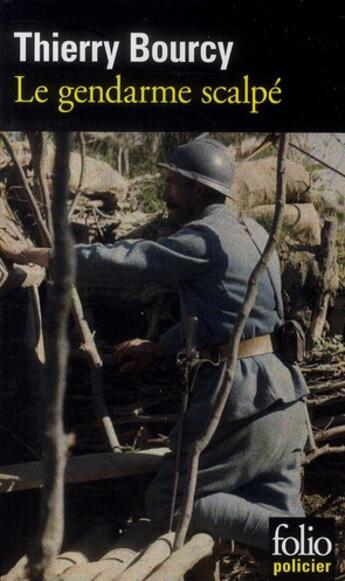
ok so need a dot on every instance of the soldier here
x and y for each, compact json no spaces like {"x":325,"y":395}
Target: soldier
{"x":251,"y":468}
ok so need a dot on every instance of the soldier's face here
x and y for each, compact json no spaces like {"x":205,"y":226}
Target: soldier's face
{"x":179,"y":197}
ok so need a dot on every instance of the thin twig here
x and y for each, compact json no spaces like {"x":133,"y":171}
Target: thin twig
{"x":98,"y":228}
{"x":317,"y":159}
{"x":229,"y":370}
{"x":327,"y":449}
{"x":43,"y":181}
{"x":82,"y":174}
{"x":146,"y":419}
{"x":36,"y":453}
{"x":271,"y":140}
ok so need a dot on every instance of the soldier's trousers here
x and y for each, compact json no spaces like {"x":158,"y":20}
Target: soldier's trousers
{"x":250,"y":471}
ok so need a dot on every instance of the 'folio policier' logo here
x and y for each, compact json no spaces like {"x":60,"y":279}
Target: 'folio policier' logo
{"x":302,"y":548}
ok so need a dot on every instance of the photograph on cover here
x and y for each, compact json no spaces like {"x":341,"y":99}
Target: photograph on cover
{"x":172,"y":355}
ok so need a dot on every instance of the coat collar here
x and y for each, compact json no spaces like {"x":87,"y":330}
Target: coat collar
{"x":214,"y":209}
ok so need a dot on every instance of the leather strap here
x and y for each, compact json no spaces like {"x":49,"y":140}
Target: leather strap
{"x":248,"y":348}
{"x":252,"y":235}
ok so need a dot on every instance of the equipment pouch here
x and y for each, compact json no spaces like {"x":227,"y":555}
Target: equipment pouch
{"x":292,"y":340}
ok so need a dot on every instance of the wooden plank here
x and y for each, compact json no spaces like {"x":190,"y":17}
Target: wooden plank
{"x":183,"y":560}
{"x":85,"y":468}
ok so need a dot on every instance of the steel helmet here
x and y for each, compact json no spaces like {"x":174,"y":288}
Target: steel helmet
{"x":204,"y":160}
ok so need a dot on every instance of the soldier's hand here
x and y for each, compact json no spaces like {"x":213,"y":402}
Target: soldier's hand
{"x":14,"y":250}
{"x":136,"y":354}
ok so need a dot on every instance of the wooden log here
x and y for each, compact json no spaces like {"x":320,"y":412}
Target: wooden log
{"x":326,"y":387}
{"x":324,"y":400}
{"x":85,"y":468}
{"x":89,"y":545}
{"x":336,"y":432}
{"x":123,"y":552}
{"x":181,"y":561}
{"x":150,"y":558}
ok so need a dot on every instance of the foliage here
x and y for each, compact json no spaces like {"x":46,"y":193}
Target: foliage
{"x":287,"y":236}
{"x":151,"y":197}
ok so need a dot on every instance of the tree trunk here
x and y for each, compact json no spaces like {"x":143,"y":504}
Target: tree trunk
{"x":117,"y":559}
{"x":328,"y":282}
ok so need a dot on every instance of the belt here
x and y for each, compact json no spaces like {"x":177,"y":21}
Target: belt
{"x":248,"y":348}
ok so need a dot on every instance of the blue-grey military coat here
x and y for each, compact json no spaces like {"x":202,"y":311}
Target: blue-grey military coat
{"x":210,"y":260}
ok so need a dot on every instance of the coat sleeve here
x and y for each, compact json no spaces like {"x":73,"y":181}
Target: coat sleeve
{"x":137,"y":262}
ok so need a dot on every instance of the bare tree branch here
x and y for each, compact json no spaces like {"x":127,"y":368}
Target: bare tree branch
{"x":327,"y":449}
{"x":96,"y":364}
{"x":229,"y":370}
{"x":56,"y":443}
{"x":38,"y":144}
{"x":33,"y":203}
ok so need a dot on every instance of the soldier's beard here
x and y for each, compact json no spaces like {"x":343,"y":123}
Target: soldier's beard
{"x":179,"y":214}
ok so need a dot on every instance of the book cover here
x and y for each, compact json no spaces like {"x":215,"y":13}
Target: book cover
{"x":100,"y":102}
